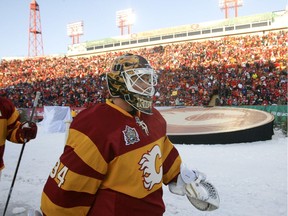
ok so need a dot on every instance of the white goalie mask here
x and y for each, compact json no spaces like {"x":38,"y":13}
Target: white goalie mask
{"x":133,"y":79}
{"x":140,"y":81}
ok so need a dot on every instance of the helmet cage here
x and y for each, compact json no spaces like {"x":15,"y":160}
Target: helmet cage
{"x":140,"y":81}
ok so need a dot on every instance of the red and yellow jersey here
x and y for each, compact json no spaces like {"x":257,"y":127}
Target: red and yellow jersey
{"x":9,"y":124}
{"x":113,"y":164}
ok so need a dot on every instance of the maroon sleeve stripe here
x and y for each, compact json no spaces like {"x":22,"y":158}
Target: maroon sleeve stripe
{"x":169,"y":161}
{"x":66,"y":199}
{"x":77,"y":165}
{"x":2,"y":147}
{"x":18,"y":137}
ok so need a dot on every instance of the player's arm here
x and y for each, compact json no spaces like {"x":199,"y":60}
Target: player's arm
{"x":183,"y":181}
{"x":18,"y":132}
{"x":13,"y":123}
{"x":75,"y":178}
{"x":171,"y":162}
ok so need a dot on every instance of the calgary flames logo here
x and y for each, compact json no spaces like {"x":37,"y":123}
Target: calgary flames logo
{"x":151,"y":166}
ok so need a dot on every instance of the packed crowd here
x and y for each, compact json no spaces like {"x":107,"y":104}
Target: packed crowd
{"x":242,"y":70}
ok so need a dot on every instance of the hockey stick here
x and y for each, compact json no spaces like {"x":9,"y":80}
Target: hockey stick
{"x":21,"y":153}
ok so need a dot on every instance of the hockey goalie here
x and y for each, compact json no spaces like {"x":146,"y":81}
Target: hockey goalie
{"x":118,"y":156}
{"x":201,"y":193}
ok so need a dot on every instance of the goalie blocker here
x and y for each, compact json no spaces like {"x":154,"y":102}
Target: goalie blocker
{"x":201,"y":193}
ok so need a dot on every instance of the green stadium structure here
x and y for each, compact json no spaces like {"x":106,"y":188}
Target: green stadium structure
{"x":260,"y":23}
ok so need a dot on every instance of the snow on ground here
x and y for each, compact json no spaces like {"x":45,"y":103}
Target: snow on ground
{"x":251,"y":178}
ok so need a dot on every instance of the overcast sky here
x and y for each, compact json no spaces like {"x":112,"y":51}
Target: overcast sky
{"x":99,"y":18}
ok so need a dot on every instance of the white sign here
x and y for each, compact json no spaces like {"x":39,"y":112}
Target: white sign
{"x":74,"y":29}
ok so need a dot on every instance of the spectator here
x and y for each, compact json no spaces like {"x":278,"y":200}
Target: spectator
{"x":237,"y":66}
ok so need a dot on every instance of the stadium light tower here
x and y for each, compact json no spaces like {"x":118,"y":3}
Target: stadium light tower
{"x":35,"y":45}
{"x":125,"y":18}
{"x":227,"y":4}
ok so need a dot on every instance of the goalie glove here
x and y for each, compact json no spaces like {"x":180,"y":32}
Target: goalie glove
{"x":201,"y":193}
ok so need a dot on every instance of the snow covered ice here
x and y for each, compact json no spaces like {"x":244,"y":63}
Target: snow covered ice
{"x":18,"y":210}
{"x":251,"y":178}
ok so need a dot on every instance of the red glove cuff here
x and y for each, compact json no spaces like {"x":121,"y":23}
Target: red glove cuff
{"x":27,"y":131}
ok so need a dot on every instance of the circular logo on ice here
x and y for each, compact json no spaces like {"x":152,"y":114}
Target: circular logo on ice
{"x":151,"y":166}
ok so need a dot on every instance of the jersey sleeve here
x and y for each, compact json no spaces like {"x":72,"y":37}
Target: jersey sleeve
{"x":75,"y":178}
{"x":9,"y":125}
{"x":172,"y":162}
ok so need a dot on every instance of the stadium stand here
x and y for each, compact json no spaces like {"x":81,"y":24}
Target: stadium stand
{"x":242,"y":60}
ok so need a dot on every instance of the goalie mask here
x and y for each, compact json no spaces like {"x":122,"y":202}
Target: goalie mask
{"x":132,"y":79}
